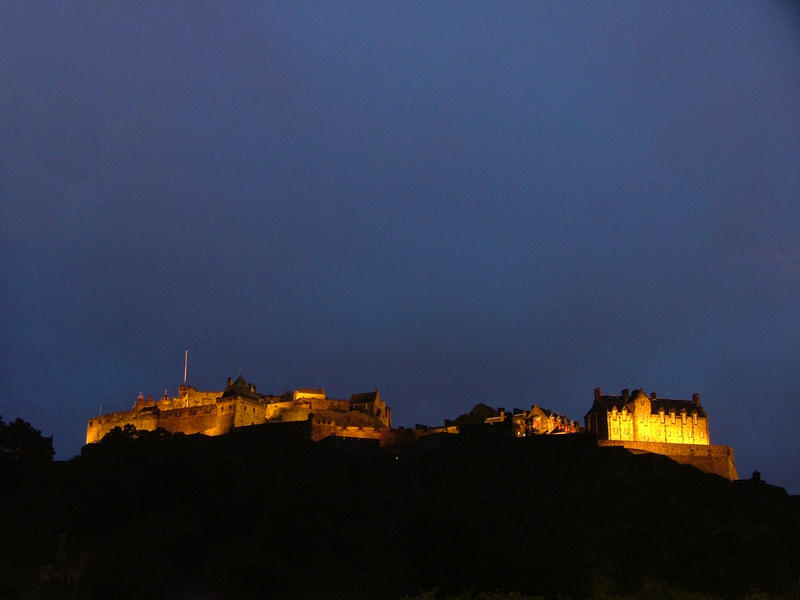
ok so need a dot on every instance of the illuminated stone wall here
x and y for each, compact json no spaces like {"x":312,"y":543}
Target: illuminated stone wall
{"x":207,"y":419}
{"x":308,"y":393}
{"x":97,"y":427}
{"x":708,"y":458}
{"x":642,"y":425}
{"x":191,"y":411}
{"x":320,"y":431}
{"x":248,"y":412}
{"x":675,"y":428}
{"x":329,"y":404}
{"x":287,"y":411}
{"x":215,"y":413}
{"x":638,"y":418}
{"x":188,"y":396}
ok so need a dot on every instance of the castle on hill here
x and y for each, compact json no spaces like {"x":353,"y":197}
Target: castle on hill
{"x":674,"y":428}
{"x":239,"y":405}
{"x":637,"y":422}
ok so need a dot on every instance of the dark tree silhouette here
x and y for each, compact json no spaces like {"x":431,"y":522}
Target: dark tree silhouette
{"x":20,"y":442}
{"x":24,"y":453}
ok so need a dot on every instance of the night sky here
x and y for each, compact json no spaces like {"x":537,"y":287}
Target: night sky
{"x":454,"y":202}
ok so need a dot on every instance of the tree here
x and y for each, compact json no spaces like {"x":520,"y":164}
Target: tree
{"x":21,"y":443}
{"x":24,"y":453}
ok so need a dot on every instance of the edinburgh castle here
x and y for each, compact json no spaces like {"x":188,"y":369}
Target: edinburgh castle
{"x":637,"y":422}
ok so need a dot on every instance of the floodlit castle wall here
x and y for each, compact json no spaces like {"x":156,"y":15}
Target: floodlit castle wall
{"x":325,"y":404}
{"x":247,"y":412}
{"x":287,"y":411}
{"x":206,"y":419}
{"x":706,"y":457}
{"x":671,"y":428}
{"x":320,"y":431}
{"x":637,"y":422}
{"x":188,"y":396}
{"x":98,"y":427}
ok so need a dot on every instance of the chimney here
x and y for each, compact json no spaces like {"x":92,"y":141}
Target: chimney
{"x":625,"y":395}
{"x":597,"y":393}
{"x":653,"y":396}
{"x":696,"y":398}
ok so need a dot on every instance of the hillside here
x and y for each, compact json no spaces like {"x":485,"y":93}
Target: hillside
{"x":265,"y":513}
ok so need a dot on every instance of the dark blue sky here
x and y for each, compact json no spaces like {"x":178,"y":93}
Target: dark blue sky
{"x":455,"y":202}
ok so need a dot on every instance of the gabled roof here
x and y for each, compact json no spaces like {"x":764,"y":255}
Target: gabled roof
{"x":607,"y":402}
{"x":669,"y":405}
{"x":546,"y":411}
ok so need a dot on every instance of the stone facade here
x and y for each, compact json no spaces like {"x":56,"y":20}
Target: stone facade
{"x":638,"y":418}
{"x":674,"y":428}
{"x":239,"y":405}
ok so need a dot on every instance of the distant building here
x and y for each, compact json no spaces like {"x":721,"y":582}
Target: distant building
{"x":536,"y":421}
{"x":674,"y":428}
{"x":239,"y":405}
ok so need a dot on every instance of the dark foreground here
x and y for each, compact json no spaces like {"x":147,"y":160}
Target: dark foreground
{"x":264,"y":513}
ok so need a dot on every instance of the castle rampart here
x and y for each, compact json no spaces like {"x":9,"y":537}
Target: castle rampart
{"x":321,"y":430}
{"x":706,"y":457}
{"x":99,"y":426}
{"x":287,"y":411}
{"x":239,"y":405}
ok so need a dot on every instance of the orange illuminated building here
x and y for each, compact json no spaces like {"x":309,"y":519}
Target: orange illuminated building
{"x":239,"y":405}
{"x":674,"y":428}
